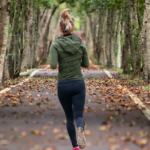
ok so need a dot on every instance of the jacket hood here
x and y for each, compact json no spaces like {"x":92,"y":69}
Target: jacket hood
{"x":70,"y":43}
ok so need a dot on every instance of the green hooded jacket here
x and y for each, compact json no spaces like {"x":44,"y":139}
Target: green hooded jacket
{"x":70,"y":52}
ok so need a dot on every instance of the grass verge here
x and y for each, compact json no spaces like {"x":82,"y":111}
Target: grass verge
{"x":10,"y":82}
{"x":27,"y":72}
{"x":128,"y":77}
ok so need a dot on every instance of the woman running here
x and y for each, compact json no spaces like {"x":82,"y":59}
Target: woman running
{"x":70,"y":52}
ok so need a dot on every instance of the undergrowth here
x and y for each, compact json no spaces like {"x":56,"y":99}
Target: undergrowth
{"x":128,"y":77}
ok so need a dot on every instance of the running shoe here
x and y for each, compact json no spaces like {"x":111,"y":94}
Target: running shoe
{"x":81,"y":138}
{"x":76,"y":148}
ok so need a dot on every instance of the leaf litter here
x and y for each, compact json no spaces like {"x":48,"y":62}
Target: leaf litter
{"x":38,"y":93}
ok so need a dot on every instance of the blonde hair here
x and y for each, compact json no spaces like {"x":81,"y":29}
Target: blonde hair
{"x":67,"y":21}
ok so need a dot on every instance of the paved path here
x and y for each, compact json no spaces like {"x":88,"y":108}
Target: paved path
{"x":31,"y":117}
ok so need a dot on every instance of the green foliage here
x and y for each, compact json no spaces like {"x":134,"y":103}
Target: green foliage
{"x":50,"y":3}
{"x":76,"y":24}
{"x":147,"y":88}
{"x":47,"y":3}
{"x":135,"y":32}
{"x":90,"y":6}
{"x":141,"y":9}
{"x":27,"y":72}
{"x":9,"y":30}
{"x":114,"y":4}
{"x":12,"y":8}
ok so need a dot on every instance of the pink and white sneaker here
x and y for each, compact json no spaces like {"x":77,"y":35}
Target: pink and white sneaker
{"x":76,"y":148}
{"x":81,"y":138}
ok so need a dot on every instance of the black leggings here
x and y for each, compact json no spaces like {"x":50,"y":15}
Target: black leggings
{"x":71,"y":94}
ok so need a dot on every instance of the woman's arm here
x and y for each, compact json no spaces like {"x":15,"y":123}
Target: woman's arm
{"x":85,"y":58}
{"x":53,"y":57}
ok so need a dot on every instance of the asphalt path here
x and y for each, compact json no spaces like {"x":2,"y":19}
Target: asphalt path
{"x":31,"y":117}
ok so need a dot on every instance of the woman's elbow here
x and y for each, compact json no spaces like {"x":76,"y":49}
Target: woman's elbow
{"x":86,"y":66}
{"x":53,"y":66}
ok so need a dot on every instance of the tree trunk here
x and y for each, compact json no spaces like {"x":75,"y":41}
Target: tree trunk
{"x":113,"y":23}
{"x":138,"y":59}
{"x":119,"y":34}
{"x":148,"y":37}
{"x":132,"y":46}
{"x":16,"y":55}
{"x":21,"y":35}
{"x":5,"y":7}
{"x":25,"y":63}
{"x":13,"y":40}
{"x":117,"y":31}
{"x":28,"y":21}
{"x":87,"y":32}
{"x":144,"y":48}
{"x":34,"y":42}
{"x":92,"y":20}
{"x":95,"y":33}
{"x":126,"y":63}
{"x":56,"y":26}
{"x":119,"y":50}
{"x":103,"y":58}
{"x":12,"y":13}
{"x":138,"y":15}
{"x":38,"y":34}
{"x":6,"y":73}
{"x":122,"y":30}
{"x":108,"y":39}
{"x":31,"y":26}
{"x":99,"y":42}
{"x":45,"y":42}
{"x":131,"y":7}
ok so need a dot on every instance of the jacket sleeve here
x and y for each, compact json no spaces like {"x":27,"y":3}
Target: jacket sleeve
{"x":53,"y":57}
{"x":85,"y":58}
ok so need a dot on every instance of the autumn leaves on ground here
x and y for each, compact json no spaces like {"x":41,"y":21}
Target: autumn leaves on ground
{"x":32,"y":118}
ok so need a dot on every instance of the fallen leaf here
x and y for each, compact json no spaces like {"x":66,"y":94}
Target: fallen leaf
{"x":14,"y":129}
{"x":56,"y":130}
{"x":23,"y":134}
{"x":45,"y":127}
{"x":49,"y":148}
{"x":88,"y":132}
{"x":62,"y":137}
{"x":37,"y":132}
{"x":88,"y":144}
{"x":128,"y":133}
{"x":65,"y":122}
{"x":141,"y":142}
{"x":4,"y":142}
